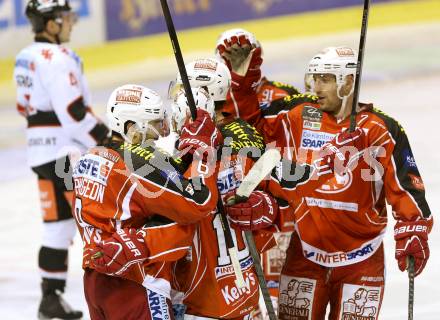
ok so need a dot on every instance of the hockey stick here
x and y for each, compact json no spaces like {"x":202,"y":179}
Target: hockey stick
{"x":192,"y":106}
{"x":360,"y":61}
{"x":411,"y":287}
{"x":256,"y":174}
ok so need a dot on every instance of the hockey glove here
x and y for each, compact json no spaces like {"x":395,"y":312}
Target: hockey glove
{"x":199,"y":135}
{"x":412,"y":240}
{"x":234,"y":51}
{"x":257,"y":212}
{"x":343,"y":150}
{"x":116,"y":254}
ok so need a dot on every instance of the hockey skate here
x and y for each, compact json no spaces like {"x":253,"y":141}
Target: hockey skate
{"x":53,"y":306}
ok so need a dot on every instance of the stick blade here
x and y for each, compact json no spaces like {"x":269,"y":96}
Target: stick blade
{"x":258,"y":172}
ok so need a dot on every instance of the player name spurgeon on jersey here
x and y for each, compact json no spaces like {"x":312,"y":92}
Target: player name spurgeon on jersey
{"x":90,"y":177}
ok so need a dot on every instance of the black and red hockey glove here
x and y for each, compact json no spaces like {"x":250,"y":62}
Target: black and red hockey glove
{"x":412,"y":240}
{"x":116,"y":255}
{"x":199,"y":136}
{"x":259,"y":211}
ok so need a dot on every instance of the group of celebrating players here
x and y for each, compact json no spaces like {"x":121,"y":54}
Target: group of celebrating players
{"x":148,"y":215}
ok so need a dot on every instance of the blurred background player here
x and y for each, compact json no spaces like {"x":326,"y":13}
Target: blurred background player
{"x":129,"y":184}
{"x":52,"y":95}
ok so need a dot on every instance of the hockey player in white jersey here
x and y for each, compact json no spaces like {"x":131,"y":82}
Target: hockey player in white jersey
{"x":52,"y":95}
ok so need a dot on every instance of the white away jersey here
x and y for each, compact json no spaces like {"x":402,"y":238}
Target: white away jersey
{"x":52,"y":94}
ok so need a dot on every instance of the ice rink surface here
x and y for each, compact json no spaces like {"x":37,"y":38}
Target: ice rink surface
{"x":401,"y":76}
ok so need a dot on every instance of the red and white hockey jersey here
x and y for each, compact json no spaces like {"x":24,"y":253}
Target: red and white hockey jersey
{"x":204,"y":279}
{"x":343,"y":221}
{"x":125,"y":185}
{"x":52,"y":94}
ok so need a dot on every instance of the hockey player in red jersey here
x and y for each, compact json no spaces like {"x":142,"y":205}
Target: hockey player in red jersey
{"x":205,"y":274}
{"x":336,"y":255}
{"x":204,"y":280}
{"x":52,"y":95}
{"x":236,"y":45}
{"x":129,"y":197}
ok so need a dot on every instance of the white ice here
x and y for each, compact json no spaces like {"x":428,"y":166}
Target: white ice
{"x":401,"y":76}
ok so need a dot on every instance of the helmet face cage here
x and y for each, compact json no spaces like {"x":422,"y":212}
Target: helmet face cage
{"x":39,"y":12}
{"x":138,"y":105}
{"x":180,"y":107}
{"x":209,"y":73}
{"x":338,"y":61}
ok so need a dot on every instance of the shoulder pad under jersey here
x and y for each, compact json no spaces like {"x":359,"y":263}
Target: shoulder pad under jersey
{"x":288,"y":103}
{"x":240,"y":135}
{"x":144,"y":159}
{"x":291,"y":90}
{"x":393,"y":125}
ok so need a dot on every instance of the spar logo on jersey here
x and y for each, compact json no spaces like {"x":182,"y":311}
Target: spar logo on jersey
{"x":312,"y":140}
{"x":158,"y":306}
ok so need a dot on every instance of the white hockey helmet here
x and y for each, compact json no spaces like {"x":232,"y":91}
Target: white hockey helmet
{"x":139,"y":105}
{"x":339,"y":61}
{"x":180,"y":108}
{"x":238,"y":33}
{"x":209,"y":73}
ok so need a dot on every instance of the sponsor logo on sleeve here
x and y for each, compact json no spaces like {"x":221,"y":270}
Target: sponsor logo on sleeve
{"x":417,"y":182}
{"x":409,"y":160}
{"x":312,"y":140}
